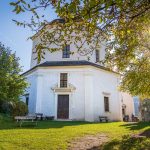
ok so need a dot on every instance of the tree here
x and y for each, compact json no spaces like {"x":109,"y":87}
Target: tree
{"x":136,"y":79}
{"x":123,"y":25}
{"x":12,"y":84}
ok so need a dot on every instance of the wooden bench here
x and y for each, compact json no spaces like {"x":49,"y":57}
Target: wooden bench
{"x":49,"y":117}
{"x":103,"y":118}
{"x":22,"y":119}
{"x":39,"y":116}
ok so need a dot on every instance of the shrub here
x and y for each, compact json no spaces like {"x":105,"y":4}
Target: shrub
{"x":5,"y":118}
{"x":6,"y":107}
{"x":20,"y":109}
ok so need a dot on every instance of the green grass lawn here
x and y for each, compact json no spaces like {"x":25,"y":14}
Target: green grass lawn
{"x":49,"y":135}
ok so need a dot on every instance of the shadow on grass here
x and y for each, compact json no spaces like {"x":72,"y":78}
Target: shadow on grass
{"x":8,"y":123}
{"x":137,"y":126}
{"x":146,"y":133}
{"x":59,"y":124}
{"x":40,"y":124}
{"x":127,"y":143}
{"x":112,"y":145}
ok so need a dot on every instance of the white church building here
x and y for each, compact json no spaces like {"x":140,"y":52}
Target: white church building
{"x":72,"y":87}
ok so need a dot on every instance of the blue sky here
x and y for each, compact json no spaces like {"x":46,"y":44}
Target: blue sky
{"x":16,"y":37}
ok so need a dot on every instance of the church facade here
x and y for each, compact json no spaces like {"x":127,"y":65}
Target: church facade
{"x":72,"y":87}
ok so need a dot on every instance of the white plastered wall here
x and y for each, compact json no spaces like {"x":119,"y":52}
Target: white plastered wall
{"x":86,"y":102}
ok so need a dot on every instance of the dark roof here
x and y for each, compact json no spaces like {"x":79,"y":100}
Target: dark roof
{"x":59,"y":20}
{"x":69,"y":63}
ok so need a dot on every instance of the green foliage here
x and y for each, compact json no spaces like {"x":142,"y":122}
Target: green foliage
{"x":6,"y":107}
{"x":5,"y":118}
{"x":136,"y":79}
{"x":123,"y":25}
{"x":20,"y":109}
{"x":17,"y":108}
{"x":12,"y":84}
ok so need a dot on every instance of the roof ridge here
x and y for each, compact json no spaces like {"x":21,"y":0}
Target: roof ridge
{"x":70,"y":63}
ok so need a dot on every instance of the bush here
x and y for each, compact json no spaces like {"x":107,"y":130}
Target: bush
{"x":5,"y":118}
{"x":6,"y":107}
{"x":20,"y":109}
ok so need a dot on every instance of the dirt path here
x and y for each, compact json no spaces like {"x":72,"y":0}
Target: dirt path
{"x":88,"y":142}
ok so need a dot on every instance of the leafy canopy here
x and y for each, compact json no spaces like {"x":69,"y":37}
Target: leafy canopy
{"x":12,"y":85}
{"x":122,"y":24}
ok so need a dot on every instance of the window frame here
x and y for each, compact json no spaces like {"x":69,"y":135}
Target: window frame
{"x":27,"y":99}
{"x":66,"y":52}
{"x":97,"y":55}
{"x":106,"y":104}
{"x":63,"y":80}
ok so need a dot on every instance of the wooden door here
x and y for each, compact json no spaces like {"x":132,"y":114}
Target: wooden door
{"x":63,"y":107}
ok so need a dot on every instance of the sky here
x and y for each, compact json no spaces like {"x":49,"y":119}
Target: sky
{"x":15,"y":37}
